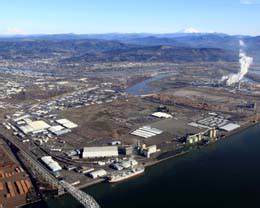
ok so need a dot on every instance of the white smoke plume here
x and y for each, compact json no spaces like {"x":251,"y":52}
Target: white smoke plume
{"x":245,"y":62}
{"x":241,"y":43}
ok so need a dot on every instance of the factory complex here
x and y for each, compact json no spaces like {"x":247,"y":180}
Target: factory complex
{"x":99,"y":132}
{"x":52,"y":137}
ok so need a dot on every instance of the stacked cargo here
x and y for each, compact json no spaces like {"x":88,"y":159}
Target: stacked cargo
{"x":25,"y":189}
{"x":23,"y":186}
{"x":10,"y":189}
{"x":28,"y":184}
{"x":19,"y":187}
{"x":13,"y":192}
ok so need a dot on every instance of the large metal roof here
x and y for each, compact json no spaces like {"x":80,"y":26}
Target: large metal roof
{"x":34,"y":126}
{"x":66,"y":123}
{"x":230,"y":127}
{"x":53,"y":165}
{"x":100,"y":149}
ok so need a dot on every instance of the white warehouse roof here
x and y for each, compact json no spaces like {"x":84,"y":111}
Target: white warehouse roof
{"x":66,"y":123}
{"x":53,"y":165}
{"x":21,"y":118}
{"x":230,"y":127}
{"x":102,"y":151}
{"x":54,"y":129}
{"x":161,"y":115}
{"x":98,"y":173}
{"x":34,"y":126}
{"x":146,"y":132}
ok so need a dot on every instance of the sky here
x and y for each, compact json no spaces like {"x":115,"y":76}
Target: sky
{"x":129,"y":16}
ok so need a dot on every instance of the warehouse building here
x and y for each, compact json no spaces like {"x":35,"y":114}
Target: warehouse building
{"x":147,"y":151}
{"x":21,"y":118}
{"x":34,"y":127}
{"x":54,"y":129}
{"x":66,"y":123}
{"x":161,"y":115}
{"x":98,"y":173}
{"x":230,"y":127}
{"x":98,"y":152}
{"x":58,"y":130}
{"x":51,"y":164}
{"x":146,"y":132}
{"x":126,"y":150}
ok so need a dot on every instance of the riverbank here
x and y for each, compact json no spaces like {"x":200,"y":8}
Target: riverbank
{"x":227,"y":169}
{"x":143,"y":87}
{"x":242,"y":128}
{"x":155,"y":162}
{"x":102,"y":191}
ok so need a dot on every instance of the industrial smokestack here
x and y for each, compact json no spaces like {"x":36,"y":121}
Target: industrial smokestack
{"x":245,"y":62}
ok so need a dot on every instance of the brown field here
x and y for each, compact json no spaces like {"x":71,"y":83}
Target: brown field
{"x":99,"y":123}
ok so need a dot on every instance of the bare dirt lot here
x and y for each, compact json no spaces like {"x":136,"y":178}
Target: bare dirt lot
{"x":99,"y":123}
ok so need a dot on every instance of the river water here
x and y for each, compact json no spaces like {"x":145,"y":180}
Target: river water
{"x":226,"y":174}
{"x":145,"y":86}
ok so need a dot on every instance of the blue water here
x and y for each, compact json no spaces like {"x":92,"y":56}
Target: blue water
{"x":226,"y":174}
{"x":144,"y":87}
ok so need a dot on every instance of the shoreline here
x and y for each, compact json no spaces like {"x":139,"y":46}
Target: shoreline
{"x":155,"y":162}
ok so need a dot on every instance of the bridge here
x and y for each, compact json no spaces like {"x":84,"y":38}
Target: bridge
{"x":85,"y":199}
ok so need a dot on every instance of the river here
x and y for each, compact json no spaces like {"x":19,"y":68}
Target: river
{"x":145,"y":86}
{"x":226,"y":174}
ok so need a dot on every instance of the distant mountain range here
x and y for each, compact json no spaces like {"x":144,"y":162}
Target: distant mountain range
{"x":156,"y":54}
{"x":183,"y":46}
{"x":113,"y":36}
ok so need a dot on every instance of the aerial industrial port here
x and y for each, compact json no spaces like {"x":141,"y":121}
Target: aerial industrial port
{"x":68,"y":133}
{"x":63,"y":130}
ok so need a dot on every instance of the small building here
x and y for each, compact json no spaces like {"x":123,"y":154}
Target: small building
{"x":84,"y":170}
{"x":149,"y":150}
{"x":98,"y":173}
{"x":161,"y":115}
{"x":126,"y":150}
{"x":100,"y":152}
{"x":61,"y":132}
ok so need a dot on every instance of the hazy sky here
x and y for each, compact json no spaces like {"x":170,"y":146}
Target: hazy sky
{"x":105,"y":16}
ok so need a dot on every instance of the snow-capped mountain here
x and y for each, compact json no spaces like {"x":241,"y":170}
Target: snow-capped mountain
{"x":189,"y":30}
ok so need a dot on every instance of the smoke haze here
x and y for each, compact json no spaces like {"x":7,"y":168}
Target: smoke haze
{"x":245,"y":62}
